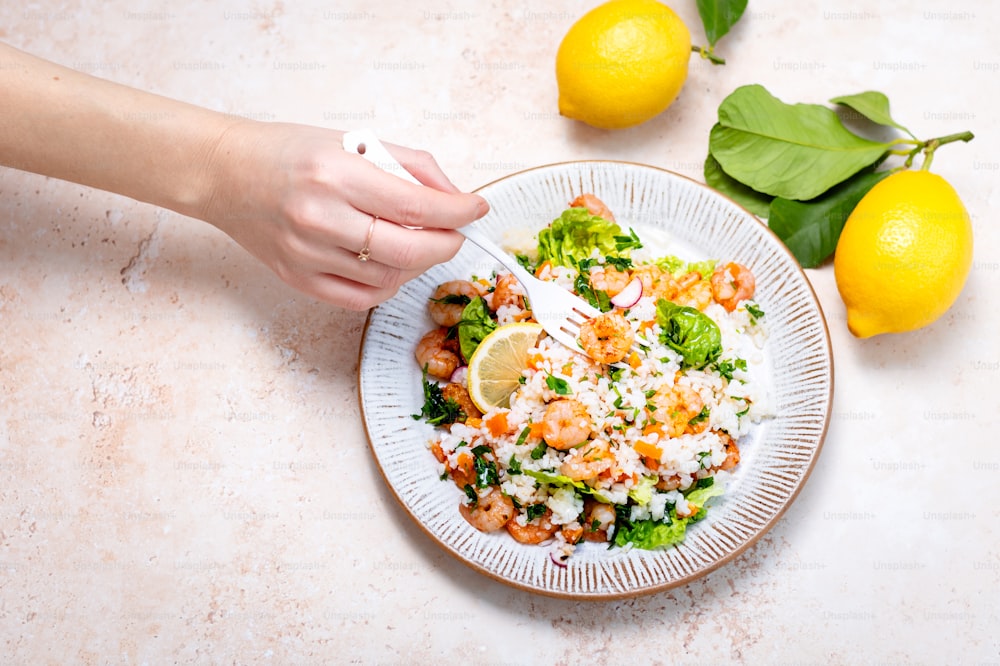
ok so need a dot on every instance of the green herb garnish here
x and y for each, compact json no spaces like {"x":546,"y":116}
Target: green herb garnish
{"x":559,"y":385}
{"x":437,"y":410}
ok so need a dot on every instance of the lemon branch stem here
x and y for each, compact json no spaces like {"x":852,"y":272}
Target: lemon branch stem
{"x":708,"y":54}
{"x":931,"y":145}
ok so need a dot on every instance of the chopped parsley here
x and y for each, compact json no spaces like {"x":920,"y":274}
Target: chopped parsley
{"x":513,"y":466}
{"x":523,"y":437}
{"x":630,"y":242}
{"x":559,"y":385}
{"x":755,"y":312}
{"x":486,"y":470}
{"x":525,"y":262}
{"x":534,"y":511}
{"x":470,"y":492}
{"x":539,"y":451}
{"x":726,"y":368}
{"x":621,"y":263}
{"x":437,"y":409}
{"x":702,"y":416}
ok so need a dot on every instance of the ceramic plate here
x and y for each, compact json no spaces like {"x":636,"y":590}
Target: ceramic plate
{"x":698,"y":223}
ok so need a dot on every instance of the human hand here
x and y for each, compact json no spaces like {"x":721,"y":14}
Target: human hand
{"x":296,"y":200}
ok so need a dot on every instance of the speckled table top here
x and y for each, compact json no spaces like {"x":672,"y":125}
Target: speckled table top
{"x":184,"y":472}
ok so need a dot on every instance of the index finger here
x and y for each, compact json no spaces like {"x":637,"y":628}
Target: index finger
{"x":378,"y":192}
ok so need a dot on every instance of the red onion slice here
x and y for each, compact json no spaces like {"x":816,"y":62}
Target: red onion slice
{"x":628,"y":296}
{"x":458,"y":377}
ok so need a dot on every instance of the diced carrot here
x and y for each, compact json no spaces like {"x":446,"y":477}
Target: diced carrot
{"x":644,"y":448}
{"x":633,"y":360}
{"x":646,"y":325}
{"x":497,"y":424}
{"x":537,"y":428}
{"x":473,"y":422}
{"x":652,"y":428}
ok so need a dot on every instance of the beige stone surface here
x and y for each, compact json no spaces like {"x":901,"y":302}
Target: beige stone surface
{"x":184,"y":473}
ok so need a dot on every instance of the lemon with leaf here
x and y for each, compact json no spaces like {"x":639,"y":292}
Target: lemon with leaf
{"x":904,"y":254}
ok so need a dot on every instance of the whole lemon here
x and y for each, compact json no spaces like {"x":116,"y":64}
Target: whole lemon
{"x":904,"y":254}
{"x":622,"y":63}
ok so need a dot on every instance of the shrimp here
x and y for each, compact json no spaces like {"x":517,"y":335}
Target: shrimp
{"x":463,"y":473}
{"x":533,"y":532}
{"x":609,"y":279}
{"x":433,"y":352}
{"x":732,"y":451}
{"x":588,"y":462}
{"x":491,"y":511}
{"x":656,"y":283}
{"x":508,"y":291}
{"x":460,"y":395}
{"x":566,"y":424}
{"x":599,"y":518}
{"x":731,"y":284}
{"x":693,"y":291}
{"x":594,"y":205}
{"x":450,"y":299}
{"x":669,"y":483}
{"x":607,"y":337}
{"x":572,"y":532}
{"x":679,"y":409}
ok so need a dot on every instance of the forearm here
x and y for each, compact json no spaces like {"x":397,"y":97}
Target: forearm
{"x":68,"y":125}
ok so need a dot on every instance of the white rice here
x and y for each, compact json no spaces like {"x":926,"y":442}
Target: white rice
{"x":618,"y":413}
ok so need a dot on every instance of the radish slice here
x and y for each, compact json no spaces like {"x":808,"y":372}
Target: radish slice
{"x":556,"y":561}
{"x":458,"y":377}
{"x":628,"y":296}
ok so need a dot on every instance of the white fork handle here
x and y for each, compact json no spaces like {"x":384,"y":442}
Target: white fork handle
{"x":495,"y":251}
{"x":364,"y":143}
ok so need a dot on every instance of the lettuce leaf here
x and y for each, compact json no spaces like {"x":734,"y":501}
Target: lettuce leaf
{"x":700,"y":496}
{"x":652,"y":534}
{"x":573,"y":236}
{"x":476,"y":324}
{"x":678,"y":267}
{"x":690,"y":333}
{"x":563,"y":481}
{"x":642,"y":492}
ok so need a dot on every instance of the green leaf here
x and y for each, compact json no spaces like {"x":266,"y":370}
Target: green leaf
{"x":718,"y":16}
{"x":690,"y":333}
{"x":475,"y":325}
{"x":754,"y":201}
{"x":810,"y":229}
{"x":873,"y":105}
{"x":794,"y":151}
{"x":563,"y":481}
{"x":437,"y":410}
{"x":558,"y":384}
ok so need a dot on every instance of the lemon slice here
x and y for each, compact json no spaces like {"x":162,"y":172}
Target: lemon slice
{"x":496,"y":365}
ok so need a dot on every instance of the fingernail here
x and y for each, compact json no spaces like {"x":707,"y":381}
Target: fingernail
{"x":482,"y":209}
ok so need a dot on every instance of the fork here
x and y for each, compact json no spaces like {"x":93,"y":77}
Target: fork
{"x":559,"y":312}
